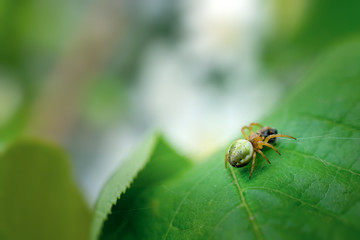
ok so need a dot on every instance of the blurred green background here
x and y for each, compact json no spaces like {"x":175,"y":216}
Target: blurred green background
{"x":96,"y":77}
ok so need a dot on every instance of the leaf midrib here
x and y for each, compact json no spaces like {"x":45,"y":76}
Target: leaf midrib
{"x":256,"y":228}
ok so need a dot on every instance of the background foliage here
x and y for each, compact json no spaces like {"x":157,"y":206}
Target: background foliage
{"x":38,"y":199}
{"x":308,"y":192}
{"x":92,"y":79}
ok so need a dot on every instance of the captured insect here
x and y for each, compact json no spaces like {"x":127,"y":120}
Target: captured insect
{"x":242,"y":150}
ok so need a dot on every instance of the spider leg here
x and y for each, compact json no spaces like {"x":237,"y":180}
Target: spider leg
{"x":263,"y":155}
{"x":226,"y":159}
{"x":270,"y":146}
{"x":253,"y":164}
{"x":244,"y":133}
{"x":251,"y":127}
{"x":277,"y":135}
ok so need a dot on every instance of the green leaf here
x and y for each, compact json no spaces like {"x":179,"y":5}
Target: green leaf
{"x":318,"y":25}
{"x":38,"y":198}
{"x":154,"y":153}
{"x":310,"y":191}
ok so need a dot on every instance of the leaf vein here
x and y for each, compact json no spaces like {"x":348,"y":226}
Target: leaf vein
{"x":223,"y":219}
{"x":322,"y":160}
{"x":182,"y":202}
{"x":322,"y":211}
{"x":243,"y":200}
{"x":331,"y":121}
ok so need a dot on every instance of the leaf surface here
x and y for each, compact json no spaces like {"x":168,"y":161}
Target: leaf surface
{"x":310,"y":191}
{"x":148,"y":166}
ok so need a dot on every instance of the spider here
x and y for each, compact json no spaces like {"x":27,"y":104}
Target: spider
{"x":241,"y":150}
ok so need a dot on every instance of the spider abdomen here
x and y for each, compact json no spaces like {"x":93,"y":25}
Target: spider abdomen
{"x":240,"y":153}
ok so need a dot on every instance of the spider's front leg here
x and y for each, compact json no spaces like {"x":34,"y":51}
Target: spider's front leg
{"x":251,"y":127}
{"x":277,"y":135}
{"x":244,"y":133}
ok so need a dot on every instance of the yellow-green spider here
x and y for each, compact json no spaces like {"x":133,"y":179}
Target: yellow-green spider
{"x":242,"y":150}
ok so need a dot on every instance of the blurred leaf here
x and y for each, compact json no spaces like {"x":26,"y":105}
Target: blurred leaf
{"x":38,"y":198}
{"x":318,"y":25}
{"x":310,"y":191}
